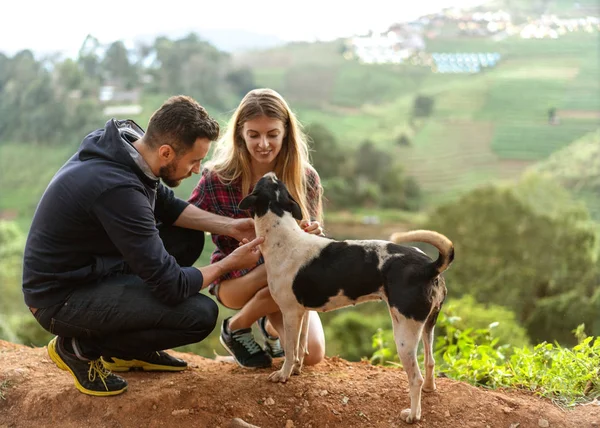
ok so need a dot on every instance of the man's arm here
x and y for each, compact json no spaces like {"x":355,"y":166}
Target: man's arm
{"x":193,"y":217}
{"x":128,"y":219}
{"x":244,"y":257}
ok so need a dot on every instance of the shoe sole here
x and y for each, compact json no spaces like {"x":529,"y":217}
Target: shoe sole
{"x":236,"y":360}
{"x":53,"y":354}
{"x":126,"y":365}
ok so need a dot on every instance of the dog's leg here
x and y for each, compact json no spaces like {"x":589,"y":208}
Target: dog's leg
{"x":429,"y":385}
{"x":292,"y":318}
{"x":303,"y":345}
{"x":407,"y":334}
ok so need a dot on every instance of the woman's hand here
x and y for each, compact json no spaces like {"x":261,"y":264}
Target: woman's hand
{"x":314,"y":228}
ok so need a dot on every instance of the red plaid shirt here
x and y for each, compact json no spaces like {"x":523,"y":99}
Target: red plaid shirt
{"x":212,"y":195}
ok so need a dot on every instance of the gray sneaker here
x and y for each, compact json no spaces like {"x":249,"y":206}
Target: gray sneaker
{"x":272,"y":344}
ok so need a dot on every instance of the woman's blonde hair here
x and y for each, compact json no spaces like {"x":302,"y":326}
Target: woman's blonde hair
{"x":231,"y":159}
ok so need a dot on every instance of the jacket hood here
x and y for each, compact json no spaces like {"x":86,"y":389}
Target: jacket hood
{"x":108,"y":143}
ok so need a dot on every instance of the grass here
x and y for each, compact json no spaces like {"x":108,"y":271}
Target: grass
{"x":25,"y":171}
{"x":3,"y":386}
{"x":536,"y":141}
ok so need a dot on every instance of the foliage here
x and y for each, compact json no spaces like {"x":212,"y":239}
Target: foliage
{"x":423,"y":106}
{"x":527,"y":247}
{"x":467,"y":313}
{"x":351,"y":332}
{"x":40,"y":102}
{"x":577,"y":168}
{"x":566,"y":375}
{"x":12,"y":243}
{"x":366,"y":176}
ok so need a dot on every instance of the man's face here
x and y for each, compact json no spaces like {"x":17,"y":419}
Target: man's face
{"x":179,"y":167}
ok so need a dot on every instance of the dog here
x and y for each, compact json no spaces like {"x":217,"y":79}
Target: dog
{"x":309,"y":272}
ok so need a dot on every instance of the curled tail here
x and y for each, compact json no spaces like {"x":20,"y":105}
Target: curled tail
{"x":439,"y":241}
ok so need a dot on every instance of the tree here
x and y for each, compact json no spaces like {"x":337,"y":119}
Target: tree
{"x":327,"y":157}
{"x":241,"y":80}
{"x":89,"y":57}
{"x":422,"y":106}
{"x":371,"y":162}
{"x":117,"y":66}
{"x":527,"y":247}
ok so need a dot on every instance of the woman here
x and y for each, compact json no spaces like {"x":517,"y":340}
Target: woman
{"x":263,"y":136}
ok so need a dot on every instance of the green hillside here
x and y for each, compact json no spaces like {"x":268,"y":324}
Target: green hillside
{"x":486,"y":126}
{"x":577,"y":168}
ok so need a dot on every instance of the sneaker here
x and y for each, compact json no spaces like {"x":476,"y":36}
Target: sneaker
{"x":91,"y":377}
{"x":149,"y":362}
{"x":272,"y":344}
{"x":244,"y":349}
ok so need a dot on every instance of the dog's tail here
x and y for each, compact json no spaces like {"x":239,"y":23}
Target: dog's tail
{"x":439,"y":241}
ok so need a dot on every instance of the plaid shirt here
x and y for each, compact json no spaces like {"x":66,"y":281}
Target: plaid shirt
{"x":212,"y":195}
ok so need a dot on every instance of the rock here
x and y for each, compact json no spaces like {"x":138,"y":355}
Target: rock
{"x":507,"y":410}
{"x":447,"y":414}
{"x":323,"y":393}
{"x":269,"y":401}
{"x":240,"y":423}
{"x":180,"y":412}
{"x":289,"y":424}
{"x":345,"y":400}
{"x":515,"y":425}
{"x":543,"y":423}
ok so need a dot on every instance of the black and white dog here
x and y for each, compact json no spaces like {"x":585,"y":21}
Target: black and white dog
{"x":309,"y":272}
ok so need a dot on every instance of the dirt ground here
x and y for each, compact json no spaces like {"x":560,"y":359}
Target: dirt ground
{"x":336,"y":393}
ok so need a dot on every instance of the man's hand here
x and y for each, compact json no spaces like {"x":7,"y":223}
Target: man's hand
{"x":245,"y":256}
{"x":312,"y":228}
{"x":242,"y":228}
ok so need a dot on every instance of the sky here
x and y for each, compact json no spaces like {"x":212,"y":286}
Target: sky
{"x":62,"y":25}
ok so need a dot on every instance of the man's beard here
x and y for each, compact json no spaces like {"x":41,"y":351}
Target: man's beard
{"x":167,"y":172}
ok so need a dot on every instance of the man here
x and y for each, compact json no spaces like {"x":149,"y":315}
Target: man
{"x":107,"y":264}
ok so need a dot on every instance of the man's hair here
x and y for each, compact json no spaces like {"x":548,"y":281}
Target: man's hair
{"x":179,"y":122}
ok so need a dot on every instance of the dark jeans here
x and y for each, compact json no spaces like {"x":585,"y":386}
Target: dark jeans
{"x":119,"y":316}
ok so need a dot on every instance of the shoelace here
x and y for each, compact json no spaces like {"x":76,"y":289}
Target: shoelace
{"x":98,"y":369}
{"x":275,"y":345}
{"x":248,"y":342}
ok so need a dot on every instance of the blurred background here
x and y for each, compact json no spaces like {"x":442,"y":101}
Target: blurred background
{"x":477,"y":119}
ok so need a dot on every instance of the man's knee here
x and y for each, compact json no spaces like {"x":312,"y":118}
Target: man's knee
{"x":205,"y":313}
{"x":185,"y":245}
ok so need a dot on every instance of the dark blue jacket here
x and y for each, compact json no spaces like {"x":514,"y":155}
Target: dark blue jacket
{"x":99,"y":216}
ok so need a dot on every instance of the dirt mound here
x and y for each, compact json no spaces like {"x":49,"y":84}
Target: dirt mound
{"x":336,"y":393}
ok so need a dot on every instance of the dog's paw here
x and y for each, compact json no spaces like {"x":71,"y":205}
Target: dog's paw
{"x":278,"y":376}
{"x":429,"y":388}
{"x":408,"y":418}
{"x":297,"y":369}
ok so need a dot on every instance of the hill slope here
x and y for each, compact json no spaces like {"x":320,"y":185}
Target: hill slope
{"x":577,"y":168}
{"x":210,"y":394}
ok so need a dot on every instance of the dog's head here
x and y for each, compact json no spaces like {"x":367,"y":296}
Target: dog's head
{"x":270,"y":194}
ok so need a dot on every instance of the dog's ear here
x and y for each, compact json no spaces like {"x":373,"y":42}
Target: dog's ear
{"x":295,"y":208}
{"x":248,"y":202}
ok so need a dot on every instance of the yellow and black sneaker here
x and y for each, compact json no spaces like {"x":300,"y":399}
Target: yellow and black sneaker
{"x":150,"y":362}
{"x":91,"y":377}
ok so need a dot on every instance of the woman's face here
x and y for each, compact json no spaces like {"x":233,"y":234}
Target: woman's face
{"x":264,"y":138}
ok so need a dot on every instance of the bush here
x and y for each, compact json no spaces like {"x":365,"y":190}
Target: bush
{"x":351,"y":333}
{"x":501,"y":321}
{"x":566,"y":375}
